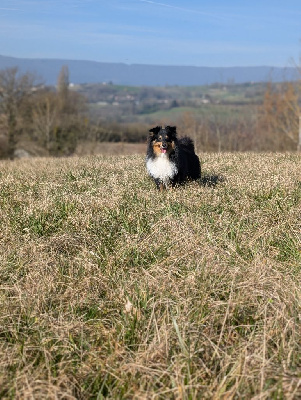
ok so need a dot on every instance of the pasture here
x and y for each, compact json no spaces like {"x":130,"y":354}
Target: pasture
{"x":110,"y":289}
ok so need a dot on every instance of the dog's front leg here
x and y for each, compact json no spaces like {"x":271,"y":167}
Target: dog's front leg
{"x":159,"y":184}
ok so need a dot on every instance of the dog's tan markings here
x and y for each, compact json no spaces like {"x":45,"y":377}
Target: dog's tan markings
{"x":157,"y":148}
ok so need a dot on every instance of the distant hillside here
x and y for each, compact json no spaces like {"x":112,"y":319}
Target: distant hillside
{"x":149,"y":75}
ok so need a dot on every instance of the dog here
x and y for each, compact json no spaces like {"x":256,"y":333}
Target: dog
{"x":171,"y":161}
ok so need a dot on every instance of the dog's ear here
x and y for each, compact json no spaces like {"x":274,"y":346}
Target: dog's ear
{"x":172,"y":130}
{"x":155,"y":131}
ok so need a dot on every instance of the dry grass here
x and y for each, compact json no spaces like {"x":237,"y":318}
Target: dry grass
{"x":111,"y":289}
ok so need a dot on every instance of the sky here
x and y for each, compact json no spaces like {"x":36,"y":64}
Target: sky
{"x":215,"y":33}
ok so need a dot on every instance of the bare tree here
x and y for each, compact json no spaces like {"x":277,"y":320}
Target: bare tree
{"x":63,"y":88}
{"x":45,"y":118}
{"x":14,"y":88}
{"x":217,"y":127}
{"x":189,"y":125}
{"x":58,"y":117}
{"x":279,"y":116}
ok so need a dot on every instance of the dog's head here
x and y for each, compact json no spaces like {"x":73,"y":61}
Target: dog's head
{"x":163,"y":139}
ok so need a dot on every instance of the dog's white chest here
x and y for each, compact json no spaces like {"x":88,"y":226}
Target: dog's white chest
{"x":161,"y":168}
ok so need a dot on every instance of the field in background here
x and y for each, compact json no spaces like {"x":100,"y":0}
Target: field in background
{"x":149,"y":104}
{"x":110,"y":148}
{"x":111,"y":289}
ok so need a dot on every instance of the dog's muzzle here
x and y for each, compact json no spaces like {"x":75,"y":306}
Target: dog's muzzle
{"x":163,"y":148}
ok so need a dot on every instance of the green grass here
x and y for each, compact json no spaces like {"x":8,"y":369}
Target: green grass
{"x":110,"y":289}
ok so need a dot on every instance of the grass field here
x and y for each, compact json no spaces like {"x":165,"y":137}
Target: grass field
{"x":110,"y":289}
{"x":219,"y":112}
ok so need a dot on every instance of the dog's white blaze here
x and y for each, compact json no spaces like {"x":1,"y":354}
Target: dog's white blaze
{"x":161,"y":168}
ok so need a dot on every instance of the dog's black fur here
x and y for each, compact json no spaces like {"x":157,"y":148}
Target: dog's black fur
{"x":169,"y":160}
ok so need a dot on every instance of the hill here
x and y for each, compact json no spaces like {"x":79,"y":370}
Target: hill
{"x":148,"y":75}
{"x":112,"y":289}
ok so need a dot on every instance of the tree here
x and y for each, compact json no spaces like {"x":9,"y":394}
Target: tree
{"x":57,"y":121}
{"x":14,"y":88}
{"x":279,"y":117}
{"x":70,"y":107}
{"x":45,"y":118}
{"x":189,"y":125}
{"x":63,"y":88}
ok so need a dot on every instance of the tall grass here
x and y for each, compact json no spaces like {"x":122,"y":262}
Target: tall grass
{"x":112,"y":289}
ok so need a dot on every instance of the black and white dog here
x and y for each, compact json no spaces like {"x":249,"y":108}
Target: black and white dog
{"x":171,"y":161}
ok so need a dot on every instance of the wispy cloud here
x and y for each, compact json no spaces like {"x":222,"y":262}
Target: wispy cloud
{"x":181,"y":8}
{"x":159,"y":4}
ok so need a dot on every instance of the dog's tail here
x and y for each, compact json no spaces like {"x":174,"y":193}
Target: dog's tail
{"x":187,"y":144}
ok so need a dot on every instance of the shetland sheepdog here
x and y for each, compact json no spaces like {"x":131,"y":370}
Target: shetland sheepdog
{"x":169,"y":160}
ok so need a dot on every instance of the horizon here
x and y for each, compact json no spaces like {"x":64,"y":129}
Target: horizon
{"x":145,"y":32}
{"x":142,"y":64}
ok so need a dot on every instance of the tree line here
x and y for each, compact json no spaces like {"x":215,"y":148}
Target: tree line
{"x":56,"y":119}
{"x":51,"y":118}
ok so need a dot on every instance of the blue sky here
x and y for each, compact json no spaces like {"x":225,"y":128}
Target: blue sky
{"x":164,"y":32}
